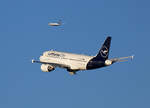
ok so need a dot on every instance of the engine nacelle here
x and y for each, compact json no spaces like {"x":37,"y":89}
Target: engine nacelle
{"x":47,"y":68}
{"x":108,"y":62}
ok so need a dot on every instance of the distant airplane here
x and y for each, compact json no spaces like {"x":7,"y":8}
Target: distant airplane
{"x":58,"y":23}
{"x":75,"y":62}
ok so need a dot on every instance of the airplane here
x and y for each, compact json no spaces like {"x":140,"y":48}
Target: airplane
{"x":76,"y":62}
{"x":58,"y":23}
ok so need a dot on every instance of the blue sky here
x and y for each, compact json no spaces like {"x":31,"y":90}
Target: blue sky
{"x":24,"y":35}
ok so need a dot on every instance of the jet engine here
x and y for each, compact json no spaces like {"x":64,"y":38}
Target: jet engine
{"x":108,"y":62}
{"x":47,"y":68}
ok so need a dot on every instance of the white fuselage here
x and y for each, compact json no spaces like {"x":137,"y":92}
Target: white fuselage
{"x":74,"y":61}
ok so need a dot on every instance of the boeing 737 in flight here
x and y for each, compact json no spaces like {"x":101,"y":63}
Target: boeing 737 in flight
{"x":76,"y":62}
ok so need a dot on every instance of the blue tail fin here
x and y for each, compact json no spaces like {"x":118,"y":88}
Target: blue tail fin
{"x":104,"y":51}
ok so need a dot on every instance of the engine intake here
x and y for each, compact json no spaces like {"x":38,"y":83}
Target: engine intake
{"x":47,"y":68}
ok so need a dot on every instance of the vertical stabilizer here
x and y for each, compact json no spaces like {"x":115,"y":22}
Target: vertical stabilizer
{"x":104,"y":51}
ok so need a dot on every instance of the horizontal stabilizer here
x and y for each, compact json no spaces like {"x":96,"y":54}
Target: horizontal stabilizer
{"x":122,"y":59}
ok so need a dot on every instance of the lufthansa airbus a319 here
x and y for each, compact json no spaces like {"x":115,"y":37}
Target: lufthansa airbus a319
{"x":76,"y":62}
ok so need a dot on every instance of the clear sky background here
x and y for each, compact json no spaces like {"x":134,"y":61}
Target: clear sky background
{"x":24,"y":35}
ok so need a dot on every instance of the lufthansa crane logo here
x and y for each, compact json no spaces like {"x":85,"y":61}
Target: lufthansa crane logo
{"x":104,"y":51}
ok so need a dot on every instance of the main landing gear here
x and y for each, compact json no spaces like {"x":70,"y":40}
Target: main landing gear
{"x":72,"y":72}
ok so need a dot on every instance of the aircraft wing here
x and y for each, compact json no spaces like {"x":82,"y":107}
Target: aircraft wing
{"x":53,"y":64}
{"x":122,"y":59}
